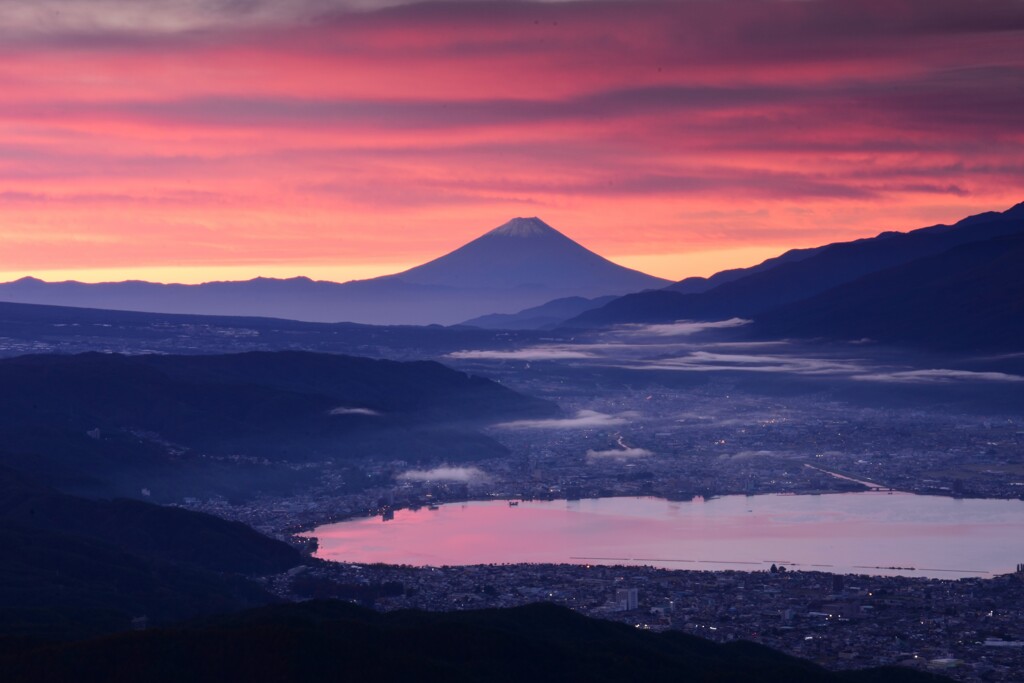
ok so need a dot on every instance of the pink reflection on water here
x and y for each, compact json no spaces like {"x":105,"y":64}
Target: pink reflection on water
{"x":860,"y":533}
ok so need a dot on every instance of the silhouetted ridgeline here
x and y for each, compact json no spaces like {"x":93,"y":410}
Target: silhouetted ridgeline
{"x":969,"y":297}
{"x":320,"y":641}
{"x":111,"y":424}
{"x":521,"y":264}
{"x":798,"y":276}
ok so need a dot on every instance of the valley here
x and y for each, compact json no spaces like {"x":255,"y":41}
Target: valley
{"x":515,"y":341}
{"x":287,"y":426}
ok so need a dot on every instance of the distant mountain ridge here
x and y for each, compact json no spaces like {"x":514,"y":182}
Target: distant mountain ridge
{"x":529,"y":253}
{"x":546,"y":316}
{"x":696,"y":285}
{"x":798,"y":275}
{"x":520,"y":264}
{"x":969,"y":297}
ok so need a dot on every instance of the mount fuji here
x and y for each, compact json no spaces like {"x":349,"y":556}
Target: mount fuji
{"x":529,"y":253}
{"x":521,"y":264}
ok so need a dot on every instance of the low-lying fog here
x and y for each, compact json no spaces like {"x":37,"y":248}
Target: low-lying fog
{"x":698,"y":347}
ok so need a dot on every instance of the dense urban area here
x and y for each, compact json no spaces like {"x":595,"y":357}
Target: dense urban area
{"x":747,"y":445}
{"x":969,"y":629}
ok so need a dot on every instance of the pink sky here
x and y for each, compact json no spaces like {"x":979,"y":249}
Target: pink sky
{"x":195,"y":140}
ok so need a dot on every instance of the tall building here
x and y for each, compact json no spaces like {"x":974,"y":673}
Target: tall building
{"x":627,"y":599}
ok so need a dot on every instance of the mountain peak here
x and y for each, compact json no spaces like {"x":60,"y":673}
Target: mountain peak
{"x":528,"y":254}
{"x":523,"y":227}
{"x":1015,"y":210}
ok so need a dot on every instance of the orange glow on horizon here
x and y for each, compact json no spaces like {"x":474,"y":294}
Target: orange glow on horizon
{"x":670,"y":266}
{"x":194,"y":275}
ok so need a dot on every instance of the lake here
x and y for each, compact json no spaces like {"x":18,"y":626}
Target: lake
{"x":860,"y":533}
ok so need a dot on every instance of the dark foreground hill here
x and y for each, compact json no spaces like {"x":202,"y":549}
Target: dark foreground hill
{"x":106,"y":424}
{"x":166,"y":534}
{"x":329,"y":641}
{"x":74,"y":567}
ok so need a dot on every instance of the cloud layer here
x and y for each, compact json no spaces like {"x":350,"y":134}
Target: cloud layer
{"x":356,"y":411}
{"x":186,"y":133}
{"x":684,"y":328}
{"x":651,"y":348}
{"x":584,"y":419}
{"x":445,"y":473}
{"x":563,"y":352}
{"x":937,"y":376}
{"x":713,"y":361}
{"x":619,"y":454}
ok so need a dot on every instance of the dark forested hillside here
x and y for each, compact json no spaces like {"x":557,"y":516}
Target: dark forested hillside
{"x":74,"y":567}
{"x":181,"y":425}
{"x":337,"y":641}
{"x":166,"y":534}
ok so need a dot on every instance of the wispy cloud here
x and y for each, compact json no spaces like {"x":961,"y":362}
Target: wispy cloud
{"x":749,"y":344}
{"x":794,"y":364}
{"x":937,"y":376}
{"x":707,"y":361}
{"x":584,"y":419}
{"x":355,"y":411}
{"x":749,"y":455}
{"x":706,"y":420}
{"x":619,"y":454}
{"x":445,"y":473}
{"x":683,"y":328}
{"x":527,"y":354}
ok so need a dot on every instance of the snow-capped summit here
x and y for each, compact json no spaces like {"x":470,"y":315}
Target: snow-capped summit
{"x":539,"y":257}
{"x":523,"y":227}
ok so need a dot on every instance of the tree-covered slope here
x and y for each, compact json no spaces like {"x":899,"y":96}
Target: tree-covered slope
{"x":321,"y":641}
